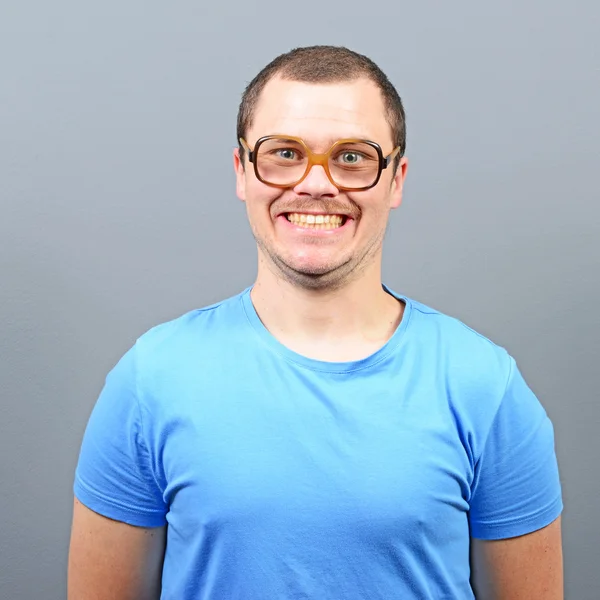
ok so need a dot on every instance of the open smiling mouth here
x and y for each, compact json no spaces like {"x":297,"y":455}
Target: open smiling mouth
{"x":312,"y":221}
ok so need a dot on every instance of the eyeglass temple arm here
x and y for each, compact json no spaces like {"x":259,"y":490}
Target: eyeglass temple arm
{"x":390,"y":156}
{"x":247,"y":149}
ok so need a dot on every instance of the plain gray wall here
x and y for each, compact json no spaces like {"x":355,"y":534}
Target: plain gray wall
{"x":118,"y":211}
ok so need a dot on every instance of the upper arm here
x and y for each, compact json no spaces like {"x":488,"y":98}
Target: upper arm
{"x":516,"y":502}
{"x":112,"y":560}
{"x":528,"y":567}
{"x":119,"y":513}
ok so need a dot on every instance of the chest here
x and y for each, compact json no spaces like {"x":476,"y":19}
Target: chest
{"x":292,"y":451}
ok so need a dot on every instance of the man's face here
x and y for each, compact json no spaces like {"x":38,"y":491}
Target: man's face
{"x":320,"y":114}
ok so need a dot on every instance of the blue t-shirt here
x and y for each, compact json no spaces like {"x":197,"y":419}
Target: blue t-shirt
{"x":282,"y":477}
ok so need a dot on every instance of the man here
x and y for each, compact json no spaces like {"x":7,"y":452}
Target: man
{"x":318,"y":435}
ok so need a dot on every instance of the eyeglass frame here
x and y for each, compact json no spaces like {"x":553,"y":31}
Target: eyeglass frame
{"x":315,"y":158}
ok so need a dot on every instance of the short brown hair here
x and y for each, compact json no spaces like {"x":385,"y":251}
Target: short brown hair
{"x":324,"y":64}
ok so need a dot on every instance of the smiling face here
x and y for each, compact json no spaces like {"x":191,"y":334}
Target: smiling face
{"x":314,"y":234}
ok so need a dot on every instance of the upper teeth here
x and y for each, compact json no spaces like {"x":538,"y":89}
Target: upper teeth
{"x":305,"y":218}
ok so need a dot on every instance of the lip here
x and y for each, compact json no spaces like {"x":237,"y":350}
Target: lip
{"x":306,"y":231}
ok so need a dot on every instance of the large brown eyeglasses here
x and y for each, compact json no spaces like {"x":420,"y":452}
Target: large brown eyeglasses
{"x":350,"y":164}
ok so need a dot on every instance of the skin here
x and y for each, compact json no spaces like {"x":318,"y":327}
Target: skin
{"x":321,"y":296}
{"x":529,"y":567}
{"x":110,"y":560}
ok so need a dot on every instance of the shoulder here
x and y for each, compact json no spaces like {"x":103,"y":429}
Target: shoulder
{"x":462,"y":349}
{"x":189,"y":333}
{"x":480,"y":381}
{"x":473,"y":371}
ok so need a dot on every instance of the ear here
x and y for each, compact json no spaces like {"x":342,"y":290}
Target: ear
{"x":240,"y":175}
{"x":398,"y":183}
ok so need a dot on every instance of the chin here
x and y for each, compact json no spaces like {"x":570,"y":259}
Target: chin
{"x":316,"y":261}
{"x":312,"y":268}
{"x":315,"y":274}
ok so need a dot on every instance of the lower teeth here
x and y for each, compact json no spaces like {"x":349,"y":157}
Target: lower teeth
{"x":317,"y":225}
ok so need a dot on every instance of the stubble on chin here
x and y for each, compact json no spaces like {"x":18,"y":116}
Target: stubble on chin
{"x":327,"y":277}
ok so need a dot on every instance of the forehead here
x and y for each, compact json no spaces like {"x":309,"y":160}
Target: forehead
{"x":322,"y":113}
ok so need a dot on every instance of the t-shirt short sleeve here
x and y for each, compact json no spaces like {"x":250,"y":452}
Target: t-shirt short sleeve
{"x":114,"y":475}
{"x":516,"y":488}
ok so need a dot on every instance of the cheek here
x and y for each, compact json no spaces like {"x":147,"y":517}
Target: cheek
{"x":374,"y":206}
{"x":260,"y":198}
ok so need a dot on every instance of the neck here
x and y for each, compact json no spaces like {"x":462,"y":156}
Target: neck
{"x":345,"y":323}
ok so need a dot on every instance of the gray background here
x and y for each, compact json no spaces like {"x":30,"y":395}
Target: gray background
{"x":118,"y":211}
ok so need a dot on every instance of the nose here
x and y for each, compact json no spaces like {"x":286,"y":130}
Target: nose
{"x":316,"y":184}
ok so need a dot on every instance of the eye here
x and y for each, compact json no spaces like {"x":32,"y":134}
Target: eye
{"x":286,"y":153}
{"x":351,"y":158}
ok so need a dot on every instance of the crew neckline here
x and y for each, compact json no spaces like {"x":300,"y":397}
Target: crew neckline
{"x":313,"y":364}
